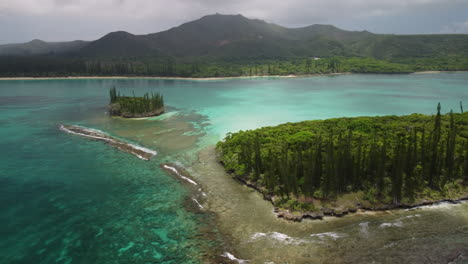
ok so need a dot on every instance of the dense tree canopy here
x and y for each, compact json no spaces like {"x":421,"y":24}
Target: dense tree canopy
{"x":42,"y":66}
{"x":132,"y":106}
{"x":389,"y":158}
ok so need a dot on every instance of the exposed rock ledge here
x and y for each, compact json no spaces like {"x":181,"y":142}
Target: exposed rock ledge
{"x":114,"y":109}
{"x":140,"y":152}
{"x":340,"y":212}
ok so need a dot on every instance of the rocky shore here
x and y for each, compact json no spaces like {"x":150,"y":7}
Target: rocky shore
{"x":140,"y":152}
{"x":115,"y":110}
{"x":340,"y":210}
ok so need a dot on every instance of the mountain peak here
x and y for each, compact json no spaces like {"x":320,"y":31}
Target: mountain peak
{"x":218,"y":15}
{"x":119,"y":33}
{"x":221,"y":18}
{"x":36,"y":41}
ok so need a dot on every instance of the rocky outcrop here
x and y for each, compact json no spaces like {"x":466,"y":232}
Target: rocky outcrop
{"x":320,"y":213}
{"x":115,"y":110}
{"x":140,"y":152}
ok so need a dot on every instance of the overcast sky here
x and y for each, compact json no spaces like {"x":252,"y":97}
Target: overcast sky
{"x":58,"y":20}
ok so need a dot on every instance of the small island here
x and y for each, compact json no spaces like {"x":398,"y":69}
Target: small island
{"x":151,"y":104}
{"x":313,"y":169}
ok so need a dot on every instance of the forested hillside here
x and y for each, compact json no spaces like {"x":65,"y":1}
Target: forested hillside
{"x":233,"y":45}
{"x":389,"y":159}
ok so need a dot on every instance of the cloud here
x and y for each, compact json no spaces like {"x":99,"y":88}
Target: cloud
{"x":463,"y":27}
{"x":262,"y":8}
{"x":456,"y":28}
{"x":90,"y":18}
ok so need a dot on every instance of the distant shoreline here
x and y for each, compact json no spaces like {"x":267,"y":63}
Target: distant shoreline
{"x":167,"y":78}
{"x":206,"y":78}
{"x":434,"y":72}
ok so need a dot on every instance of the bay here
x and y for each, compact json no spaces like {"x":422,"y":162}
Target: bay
{"x":65,"y":199}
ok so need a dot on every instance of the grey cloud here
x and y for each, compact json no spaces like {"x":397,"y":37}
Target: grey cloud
{"x":89,"y":19}
{"x":65,"y":2}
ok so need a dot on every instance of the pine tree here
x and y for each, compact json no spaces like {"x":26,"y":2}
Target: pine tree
{"x":113,"y":95}
{"x":411,"y":160}
{"x":329,"y":186}
{"x":465,"y":165}
{"x":397,"y":172}
{"x":433,"y":173}
{"x":450,"y":152}
{"x":257,"y":157}
{"x":381,"y":169}
{"x":318,"y":164}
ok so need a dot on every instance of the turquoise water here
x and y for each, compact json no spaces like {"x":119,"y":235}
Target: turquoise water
{"x":65,"y":199}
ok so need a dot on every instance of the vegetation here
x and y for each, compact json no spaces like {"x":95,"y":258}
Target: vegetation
{"x":42,"y":66}
{"x":225,"y":46}
{"x":126,"y":106}
{"x":386,"y":160}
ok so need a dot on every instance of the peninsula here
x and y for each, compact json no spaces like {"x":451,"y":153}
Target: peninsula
{"x":135,"y":107}
{"x":336,"y":166}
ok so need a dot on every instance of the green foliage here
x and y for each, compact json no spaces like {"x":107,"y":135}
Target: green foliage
{"x":42,"y":66}
{"x":135,"y":105}
{"x":295,"y":205}
{"x":225,"y":46}
{"x":389,"y":156}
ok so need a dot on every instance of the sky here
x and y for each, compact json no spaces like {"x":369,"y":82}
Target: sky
{"x":65,"y":20}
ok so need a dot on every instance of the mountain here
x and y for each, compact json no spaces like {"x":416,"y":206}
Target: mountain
{"x":235,"y":37}
{"x":36,"y":47}
{"x":226,"y":36}
{"x":118,"y":44}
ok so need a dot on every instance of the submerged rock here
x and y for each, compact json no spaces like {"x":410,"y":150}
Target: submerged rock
{"x":140,"y":152}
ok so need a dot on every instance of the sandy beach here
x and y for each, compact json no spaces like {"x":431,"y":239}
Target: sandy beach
{"x":164,"y":78}
{"x":201,"y":78}
{"x":434,"y":72}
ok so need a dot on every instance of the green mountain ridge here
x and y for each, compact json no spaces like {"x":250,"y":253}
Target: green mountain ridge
{"x":39,"y":47}
{"x":235,"y":36}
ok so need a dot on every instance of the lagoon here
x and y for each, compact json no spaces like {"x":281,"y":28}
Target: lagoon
{"x":66,"y":199}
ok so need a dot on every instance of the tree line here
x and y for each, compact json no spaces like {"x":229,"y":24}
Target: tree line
{"x":55,"y":66}
{"x":389,"y":158}
{"x":131,"y":104}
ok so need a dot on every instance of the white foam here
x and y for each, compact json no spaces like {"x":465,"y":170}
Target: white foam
{"x":96,"y":131}
{"x":280,"y":237}
{"x":331,"y":235}
{"x":178,"y":174}
{"x":198,"y":203}
{"x":139,"y":156}
{"x":411,"y":216}
{"x":202,"y":193}
{"x":232,"y":257}
{"x":85,"y":135}
{"x":397,"y":223}
{"x":389,"y":245}
{"x":364,"y":228}
{"x":147,"y":150}
{"x":166,"y":115}
{"x":440,"y":205}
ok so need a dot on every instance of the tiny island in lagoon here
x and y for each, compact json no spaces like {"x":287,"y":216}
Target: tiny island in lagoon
{"x":150,"y":104}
